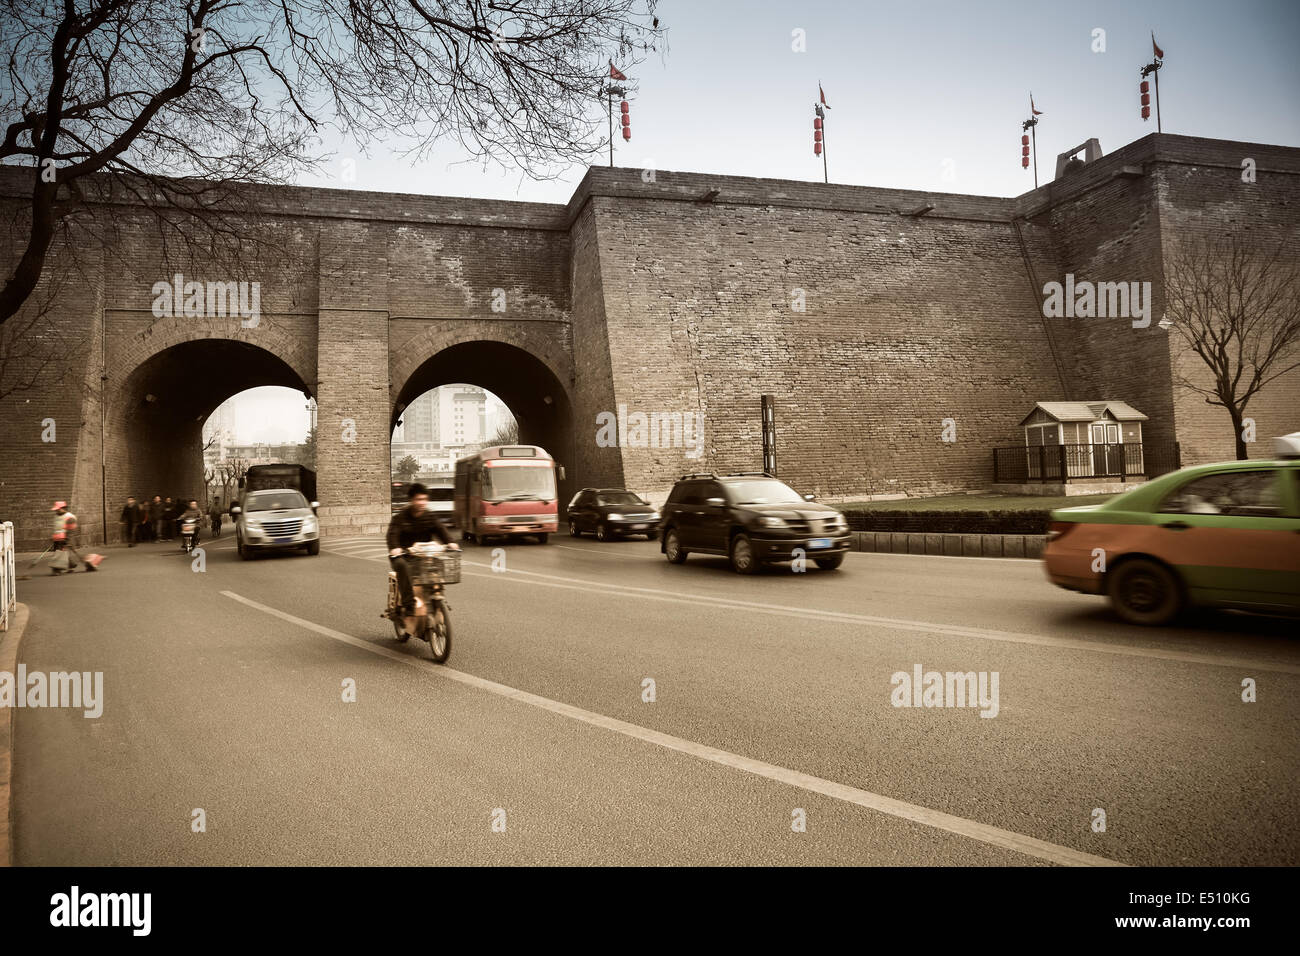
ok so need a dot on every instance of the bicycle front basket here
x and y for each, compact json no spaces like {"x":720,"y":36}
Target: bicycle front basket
{"x":445,"y":566}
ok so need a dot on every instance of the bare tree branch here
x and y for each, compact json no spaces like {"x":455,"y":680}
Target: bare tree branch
{"x":179,"y":103}
{"x":1234,"y":302}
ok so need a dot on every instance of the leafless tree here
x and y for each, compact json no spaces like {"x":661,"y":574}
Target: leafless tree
{"x":507,"y":433}
{"x":230,"y":470}
{"x":1234,"y":302}
{"x":178,"y":105}
{"x":31,"y":353}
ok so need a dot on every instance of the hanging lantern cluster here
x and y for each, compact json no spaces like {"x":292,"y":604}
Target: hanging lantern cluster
{"x":817,"y":135}
{"x":627,"y":122}
{"x":1145,"y":90}
{"x":1024,"y":151}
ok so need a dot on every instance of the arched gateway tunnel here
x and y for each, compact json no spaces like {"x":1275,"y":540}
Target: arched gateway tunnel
{"x":870,"y":315}
{"x":156,"y":411}
{"x":530,"y":388}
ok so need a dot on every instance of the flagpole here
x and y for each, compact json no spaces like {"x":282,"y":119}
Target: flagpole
{"x":1033,"y":138}
{"x":1031,"y":125}
{"x":821,"y":108}
{"x":611,"y":125}
{"x":1156,"y":71}
{"x":826,"y":176}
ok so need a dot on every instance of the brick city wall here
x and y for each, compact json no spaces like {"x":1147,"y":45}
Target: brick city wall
{"x":1120,"y":219}
{"x":906,"y":320}
{"x":872,"y":315}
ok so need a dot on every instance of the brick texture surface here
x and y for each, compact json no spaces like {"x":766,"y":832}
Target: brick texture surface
{"x":870,"y":318}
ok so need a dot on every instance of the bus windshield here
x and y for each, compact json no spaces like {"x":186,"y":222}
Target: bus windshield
{"x":518,"y":482}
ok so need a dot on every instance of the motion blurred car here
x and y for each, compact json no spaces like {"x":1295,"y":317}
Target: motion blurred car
{"x":1223,"y":535}
{"x":442,"y":502}
{"x":611,"y":513}
{"x":275,"y":520}
{"x":753,"y":519}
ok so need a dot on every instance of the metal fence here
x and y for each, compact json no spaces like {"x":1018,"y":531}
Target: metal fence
{"x":1063,"y":463}
{"x":8,"y":579}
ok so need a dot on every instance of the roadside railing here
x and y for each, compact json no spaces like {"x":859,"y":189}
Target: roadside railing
{"x":8,"y":579}
{"x":1063,"y":463}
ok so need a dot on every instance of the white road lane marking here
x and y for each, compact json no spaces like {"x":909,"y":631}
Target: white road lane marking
{"x":604,"y":553}
{"x":901,"y":624}
{"x":1007,"y":839}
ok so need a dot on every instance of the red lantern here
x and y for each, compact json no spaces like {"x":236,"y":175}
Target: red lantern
{"x":817,"y":136}
{"x":623,"y":106}
{"x":1145,"y":87}
{"x":817,"y":122}
{"x":627,"y":120}
{"x":627,"y":132}
{"x":1146,"y":112}
{"x":1024,"y":162}
{"x":1024,"y":141}
{"x":1024,"y":150}
{"x":817,"y":149}
{"x":1146,"y":99}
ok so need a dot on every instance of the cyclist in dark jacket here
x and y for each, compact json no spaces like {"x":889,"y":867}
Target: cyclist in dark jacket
{"x":414,"y":523}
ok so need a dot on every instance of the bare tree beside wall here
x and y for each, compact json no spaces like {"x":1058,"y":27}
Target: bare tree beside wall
{"x":1233,"y":301}
{"x":179,"y":105}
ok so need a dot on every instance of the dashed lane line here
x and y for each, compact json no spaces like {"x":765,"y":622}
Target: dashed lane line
{"x":971,"y":829}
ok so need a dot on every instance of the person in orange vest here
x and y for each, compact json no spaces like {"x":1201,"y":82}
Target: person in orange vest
{"x":65,"y":527}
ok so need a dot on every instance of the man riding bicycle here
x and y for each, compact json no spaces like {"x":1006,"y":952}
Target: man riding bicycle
{"x":412,"y":524}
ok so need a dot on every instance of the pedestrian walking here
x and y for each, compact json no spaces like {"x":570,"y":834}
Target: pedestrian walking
{"x":156,"y":512}
{"x":169,"y":519}
{"x":131,"y":521}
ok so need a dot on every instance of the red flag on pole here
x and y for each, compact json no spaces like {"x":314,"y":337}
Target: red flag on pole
{"x":1160,"y":54}
{"x":1031,"y":106}
{"x":614,"y":72}
{"x":822,"y":93}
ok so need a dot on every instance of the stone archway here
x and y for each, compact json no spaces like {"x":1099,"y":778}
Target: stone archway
{"x":154,"y":420}
{"x":528,"y":385}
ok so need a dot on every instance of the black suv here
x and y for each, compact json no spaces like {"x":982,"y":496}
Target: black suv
{"x":751,"y":518}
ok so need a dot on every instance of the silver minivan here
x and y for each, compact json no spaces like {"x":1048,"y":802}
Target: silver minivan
{"x":278,"y":519}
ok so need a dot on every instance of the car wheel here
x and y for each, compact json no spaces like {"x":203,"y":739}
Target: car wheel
{"x":830,"y":562}
{"x":602,"y":532}
{"x":743,"y":559}
{"x":240,"y":549}
{"x":1144,"y":592}
{"x":573,"y":529}
{"x":313,"y":547}
{"x":673,"y":549}
{"x":543,"y":537}
{"x":652,"y":535}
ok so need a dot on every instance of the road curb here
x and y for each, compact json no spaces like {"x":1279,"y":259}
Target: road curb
{"x":953,"y":545}
{"x":10,"y":641}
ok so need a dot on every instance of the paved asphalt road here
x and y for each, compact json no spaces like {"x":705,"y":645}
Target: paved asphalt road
{"x":772,"y":693}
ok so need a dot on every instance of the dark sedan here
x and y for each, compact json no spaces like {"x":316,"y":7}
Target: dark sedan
{"x":611,"y":513}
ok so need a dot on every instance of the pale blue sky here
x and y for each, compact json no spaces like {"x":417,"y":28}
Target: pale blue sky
{"x":912,"y":84}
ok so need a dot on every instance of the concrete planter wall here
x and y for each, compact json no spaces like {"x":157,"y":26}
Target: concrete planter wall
{"x":951,"y":545}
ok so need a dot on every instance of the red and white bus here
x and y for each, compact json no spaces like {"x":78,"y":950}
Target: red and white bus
{"x":507,"y":490}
